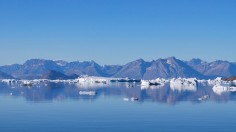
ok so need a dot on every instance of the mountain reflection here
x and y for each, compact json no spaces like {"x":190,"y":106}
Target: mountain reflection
{"x":49,"y":91}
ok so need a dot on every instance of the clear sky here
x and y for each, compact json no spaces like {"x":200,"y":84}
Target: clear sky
{"x":117,"y":31}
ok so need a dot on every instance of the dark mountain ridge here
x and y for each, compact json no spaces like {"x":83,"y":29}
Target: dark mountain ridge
{"x":139,"y":69}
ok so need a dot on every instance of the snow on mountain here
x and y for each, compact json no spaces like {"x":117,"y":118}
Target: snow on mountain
{"x":61,"y":62}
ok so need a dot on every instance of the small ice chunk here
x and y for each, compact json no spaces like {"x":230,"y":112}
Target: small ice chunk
{"x":87,"y":93}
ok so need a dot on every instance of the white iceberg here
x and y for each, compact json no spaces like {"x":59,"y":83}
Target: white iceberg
{"x":94,"y":79}
{"x":27,"y":83}
{"x":8,"y":80}
{"x":203,"y":82}
{"x":219,"y":89}
{"x":217,"y":81}
{"x":184,"y":84}
{"x":157,"y":83}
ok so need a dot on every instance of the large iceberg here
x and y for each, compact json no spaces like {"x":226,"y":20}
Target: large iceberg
{"x":184,"y":84}
{"x":220,"y":86}
{"x":93,"y":79}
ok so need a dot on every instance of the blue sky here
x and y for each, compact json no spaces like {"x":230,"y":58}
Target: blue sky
{"x":117,"y":31}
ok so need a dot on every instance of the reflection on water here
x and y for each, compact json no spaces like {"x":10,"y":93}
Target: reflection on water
{"x":49,"y":91}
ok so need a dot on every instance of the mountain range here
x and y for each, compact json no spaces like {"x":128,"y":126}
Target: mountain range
{"x":139,"y":69}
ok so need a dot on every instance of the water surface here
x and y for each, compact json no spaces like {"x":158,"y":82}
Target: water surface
{"x":58,"y":107}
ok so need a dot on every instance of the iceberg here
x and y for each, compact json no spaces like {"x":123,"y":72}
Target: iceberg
{"x":93,"y":81}
{"x":27,"y":83}
{"x":157,"y":83}
{"x":8,"y":80}
{"x":219,"y":89}
{"x":184,"y":84}
{"x":217,"y":81}
{"x":202,"y":82}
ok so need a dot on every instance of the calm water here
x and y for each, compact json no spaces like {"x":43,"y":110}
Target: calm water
{"x":58,"y":107}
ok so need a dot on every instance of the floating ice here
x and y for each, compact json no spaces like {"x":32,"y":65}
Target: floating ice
{"x":217,"y":81}
{"x":131,"y":99}
{"x":87,"y":93}
{"x":8,"y":80}
{"x":219,"y":89}
{"x":93,"y":81}
{"x":157,"y":83}
{"x":204,"y":98}
{"x":183,"y":84}
{"x":27,"y":83}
